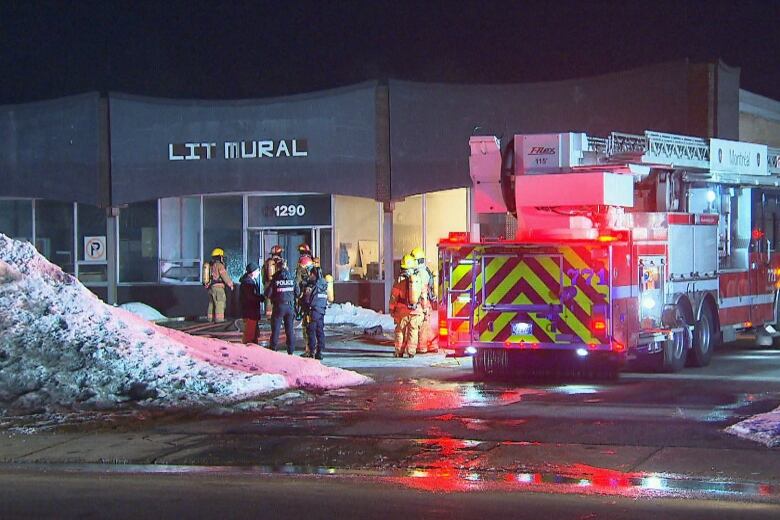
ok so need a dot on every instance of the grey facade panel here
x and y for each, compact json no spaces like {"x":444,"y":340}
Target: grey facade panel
{"x":333,"y":134}
{"x":51,"y":150}
{"x":430,"y":123}
{"x":727,"y":109}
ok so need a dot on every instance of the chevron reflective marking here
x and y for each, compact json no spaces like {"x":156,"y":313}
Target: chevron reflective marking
{"x":535,"y":278}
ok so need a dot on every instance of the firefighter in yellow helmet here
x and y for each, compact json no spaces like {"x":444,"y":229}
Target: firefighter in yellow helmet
{"x":405,"y":308}
{"x":428,"y":296}
{"x":271,"y":265}
{"x":215,"y":282}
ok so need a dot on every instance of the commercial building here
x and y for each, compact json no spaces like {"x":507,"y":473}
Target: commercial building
{"x":130,"y":194}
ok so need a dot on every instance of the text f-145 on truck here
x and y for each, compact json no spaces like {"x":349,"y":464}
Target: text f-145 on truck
{"x":587,"y":252}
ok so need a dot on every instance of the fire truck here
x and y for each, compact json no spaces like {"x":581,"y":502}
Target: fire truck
{"x":587,"y":252}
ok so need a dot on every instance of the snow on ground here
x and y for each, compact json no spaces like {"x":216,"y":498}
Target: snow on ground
{"x":63,"y":348}
{"x":144,"y":311}
{"x":763,"y":428}
{"x":348,"y":314}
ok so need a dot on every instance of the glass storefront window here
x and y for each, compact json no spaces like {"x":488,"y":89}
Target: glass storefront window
{"x":407,"y":226}
{"x":445,"y":211}
{"x":16,"y":219}
{"x":356,"y":238}
{"x":180,"y":240}
{"x":138,"y":243}
{"x":326,"y":250}
{"x":54,"y":232}
{"x":223,"y":224}
{"x":91,"y":243}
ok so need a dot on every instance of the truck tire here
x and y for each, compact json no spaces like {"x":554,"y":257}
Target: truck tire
{"x":704,"y":339}
{"x":674,"y":352}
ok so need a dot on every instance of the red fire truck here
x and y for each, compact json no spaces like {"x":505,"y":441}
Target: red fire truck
{"x":587,"y":252}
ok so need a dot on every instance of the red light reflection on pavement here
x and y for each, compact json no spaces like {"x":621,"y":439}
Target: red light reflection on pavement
{"x":448,"y":477}
{"x":431,"y":395}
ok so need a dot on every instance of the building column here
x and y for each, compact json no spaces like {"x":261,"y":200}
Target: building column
{"x":111,"y":254}
{"x":387,"y":251}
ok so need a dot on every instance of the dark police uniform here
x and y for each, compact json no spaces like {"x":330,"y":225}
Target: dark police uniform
{"x":282,"y":292}
{"x":315,"y":303}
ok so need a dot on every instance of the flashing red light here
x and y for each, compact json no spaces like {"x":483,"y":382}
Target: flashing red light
{"x":613,"y":237}
{"x":458,"y":237}
{"x":618,"y":346}
{"x":598,"y":324}
{"x":757,"y":234}
{"x":592,"y":346}
{"x":748,"y":324}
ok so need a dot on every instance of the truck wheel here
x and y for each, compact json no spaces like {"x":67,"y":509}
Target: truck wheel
{"x":704,"y":339}
{"x":674,"y":352}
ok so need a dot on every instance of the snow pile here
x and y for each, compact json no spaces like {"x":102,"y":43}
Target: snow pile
{"x":763,"y":428}
{"x":144,"y":311}
{"x":348,"y":314}
{"x":61,"y":347}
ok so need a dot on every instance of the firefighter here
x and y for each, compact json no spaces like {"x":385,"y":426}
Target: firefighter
{"x":282,"y":291}
{"x":405,"y":308}
{"x":270,"y":266}
{"x":302,"y":277}
{"x":217,"y":280}
{"x":251,"y":298}
{"x":314,"y":302}
{"x":427,"y":340}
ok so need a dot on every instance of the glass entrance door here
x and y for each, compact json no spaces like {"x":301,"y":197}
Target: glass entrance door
{"x":260,"y":242}
{"x":289,"y":239}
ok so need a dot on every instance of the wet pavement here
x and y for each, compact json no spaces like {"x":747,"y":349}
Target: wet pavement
{"x":427,"y":425}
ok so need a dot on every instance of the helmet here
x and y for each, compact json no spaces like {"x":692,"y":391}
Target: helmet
{"x":304,"y":249}
{"x":306,"y":262}
{"x":408,"y":262}
{"x":418,"y":254}
{"x":217,"y":251}
{"x":277,"y":250}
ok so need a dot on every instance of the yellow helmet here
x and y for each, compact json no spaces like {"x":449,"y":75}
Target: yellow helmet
{"x":408,"y":262}
{"x":217,"y":251}
{"x":418,"y":254}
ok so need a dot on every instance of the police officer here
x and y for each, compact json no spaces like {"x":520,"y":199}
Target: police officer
{"x":282,"y":291}
{"x":270,"y":266}
{"x":428,"y":295}
{"x":314,"y":301}
{"x":218,"y":279}
{"x":250,"y":297}
{"x":405,"y":308}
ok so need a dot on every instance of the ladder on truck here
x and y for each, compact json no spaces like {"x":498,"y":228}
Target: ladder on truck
{"x":673,"y":150}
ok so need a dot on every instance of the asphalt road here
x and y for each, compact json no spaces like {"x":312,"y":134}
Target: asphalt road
{"x":427,"y":440}
{"x":69,"y":495}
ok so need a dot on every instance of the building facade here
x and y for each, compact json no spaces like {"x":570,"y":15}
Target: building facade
{"x":130,"y":194}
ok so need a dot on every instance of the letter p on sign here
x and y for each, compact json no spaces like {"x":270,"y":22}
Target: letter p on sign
{"x":95,"y":249}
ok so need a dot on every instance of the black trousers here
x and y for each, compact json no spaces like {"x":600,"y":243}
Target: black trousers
{"x":283,"y":313}
{"x":316,"y":330}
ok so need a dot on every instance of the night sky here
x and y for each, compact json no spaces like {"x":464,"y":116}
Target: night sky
{"x":239,"y":49}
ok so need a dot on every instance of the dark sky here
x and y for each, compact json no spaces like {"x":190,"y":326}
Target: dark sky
{"x":240,"y":49}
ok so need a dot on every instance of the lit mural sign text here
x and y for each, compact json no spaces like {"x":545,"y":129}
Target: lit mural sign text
{"x":197,"y":151}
